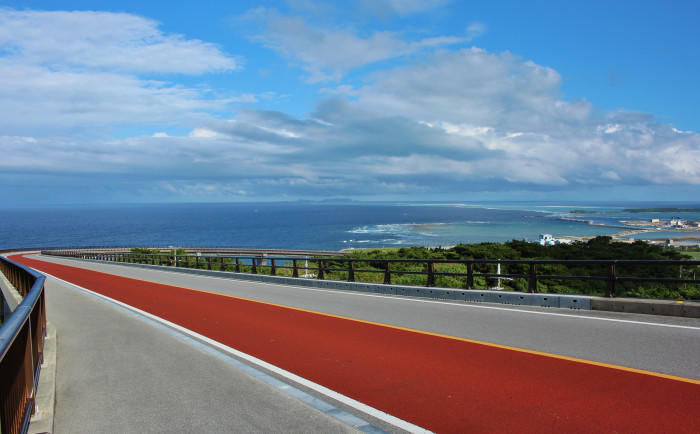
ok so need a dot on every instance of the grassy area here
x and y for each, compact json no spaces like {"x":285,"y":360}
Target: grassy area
{"x":694,"y":255}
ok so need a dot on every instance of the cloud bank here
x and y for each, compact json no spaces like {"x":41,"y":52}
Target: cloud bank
{"x":64,"y":72}
{"x":450,"y":122}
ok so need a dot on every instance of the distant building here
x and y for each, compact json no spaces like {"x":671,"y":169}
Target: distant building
{"x":656,"y":220}
{"x":676,"y":221}
{"x":549,"y":240}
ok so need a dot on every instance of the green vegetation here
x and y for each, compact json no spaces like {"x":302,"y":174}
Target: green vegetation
{"x":370,"y":268}
{"x":144,"y":251}
{"x":695,"y":255}
{"x":599,"y":248}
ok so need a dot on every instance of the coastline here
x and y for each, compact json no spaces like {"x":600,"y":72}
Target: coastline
{"x":332,"y":227}
{"x":693,"y":239}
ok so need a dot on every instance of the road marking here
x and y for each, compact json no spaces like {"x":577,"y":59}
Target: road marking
{"x":489,"y":344}
{"x":464,"y":305}
{"x":294,"y":392}
{"x":557,"y":356}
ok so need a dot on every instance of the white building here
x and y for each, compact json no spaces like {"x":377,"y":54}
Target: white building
{"x":546,"y":240}
{"x":549,"y":240}
{"x":676,"y":221}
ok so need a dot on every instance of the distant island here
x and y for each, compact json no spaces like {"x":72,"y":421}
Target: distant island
{"x":662,"y":210}
{"x":582,"y":211}
{"x":332,"y":200}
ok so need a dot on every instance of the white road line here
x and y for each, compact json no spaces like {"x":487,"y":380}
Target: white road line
{"x":416,"y":300}
{"x":399,"y":423}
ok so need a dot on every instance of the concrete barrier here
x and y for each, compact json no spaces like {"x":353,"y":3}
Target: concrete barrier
{"x":564,"y":301}
{"x":471,"y":296}
{"x":654,"y":307}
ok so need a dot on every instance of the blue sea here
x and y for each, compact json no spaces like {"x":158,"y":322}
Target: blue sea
{"x":313,"y":225}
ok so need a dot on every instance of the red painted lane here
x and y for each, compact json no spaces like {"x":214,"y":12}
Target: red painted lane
{"x":440,"y":383}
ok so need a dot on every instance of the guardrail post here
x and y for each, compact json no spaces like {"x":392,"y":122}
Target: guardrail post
{"x":238,"y":265}
{"x":295,"y":269}
{"x":255,"y":265}
{"x":209,"y":262}
{"x":351,"y":271}
{"x":532,"y":284}
{"x":223,"y":266}
{"x":273,"y":268}
{"x":610,"y":288}
{"x":320,"y":270}
{"x":431,"y":274}
{"x":387,"y":274}
{"x":470,"y":275}
{"x":153,"y":259}
{"x":196,"y":262}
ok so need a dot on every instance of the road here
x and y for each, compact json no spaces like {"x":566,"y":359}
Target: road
{"x":424,"y":361}
{"x":117,"y":373}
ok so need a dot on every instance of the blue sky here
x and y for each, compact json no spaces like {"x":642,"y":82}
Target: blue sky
{"x":370,"y":100}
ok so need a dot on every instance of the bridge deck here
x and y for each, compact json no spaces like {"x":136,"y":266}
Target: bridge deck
{"x":117,"y":373}
{"x":514,"y":389}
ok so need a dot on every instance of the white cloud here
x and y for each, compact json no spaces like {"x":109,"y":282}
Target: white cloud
{"x":475,"y":87}
{"x":401,"y":7}
{"x":328,"y":54}
{"x":513,"y":106}
{"x":73,"y":72}
{"x":447,"y":123}
{"x":474,"y":30}
{"x":105,"y":41}
{"x":473,"y":118}
{"x":65,"y":100}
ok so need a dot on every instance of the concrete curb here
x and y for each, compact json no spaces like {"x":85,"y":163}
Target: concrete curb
{"x":584,"y":302}
{"x":42,"y":421}
{"x":474,"y":296}
{"x":688,"y":309}
{"x":11,"y":297}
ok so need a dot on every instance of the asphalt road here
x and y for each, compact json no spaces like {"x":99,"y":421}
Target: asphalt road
{"x":117,"y":373}
{"x":665,"y":345}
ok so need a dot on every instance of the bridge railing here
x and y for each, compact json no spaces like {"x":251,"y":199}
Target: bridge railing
{"x":21,"y":348}
{"x":465,"y":273}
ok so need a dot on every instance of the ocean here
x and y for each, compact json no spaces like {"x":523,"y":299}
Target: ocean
{"x":314,"y":225}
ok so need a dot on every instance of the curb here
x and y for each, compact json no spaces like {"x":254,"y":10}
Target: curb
{"x":584,"y":302}
{"x":45,"y":399}
{"x":688,"y":309}
{"x":472,"y":295}
{"x":42,"y":421}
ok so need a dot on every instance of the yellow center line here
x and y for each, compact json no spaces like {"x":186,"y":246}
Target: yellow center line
{"x":440,"y":335}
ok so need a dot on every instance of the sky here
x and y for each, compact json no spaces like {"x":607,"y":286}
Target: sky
{"x":370,"y":100}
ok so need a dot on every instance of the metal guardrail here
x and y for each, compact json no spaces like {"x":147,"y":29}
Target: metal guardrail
{"x":21,"y":348}
{"x":389,"y":267}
